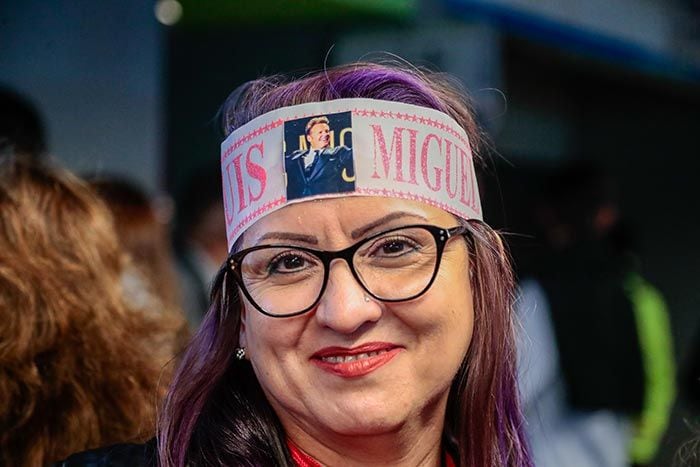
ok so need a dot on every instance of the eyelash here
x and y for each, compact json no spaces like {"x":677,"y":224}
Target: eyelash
{"x":382,"y":242}
{"x":273,"y":264}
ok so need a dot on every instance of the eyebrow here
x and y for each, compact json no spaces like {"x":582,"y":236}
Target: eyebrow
{"x":357,"y":233}
{"x":288,"y":236}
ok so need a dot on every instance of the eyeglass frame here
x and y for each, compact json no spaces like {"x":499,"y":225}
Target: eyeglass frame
{"x":440,"y":234}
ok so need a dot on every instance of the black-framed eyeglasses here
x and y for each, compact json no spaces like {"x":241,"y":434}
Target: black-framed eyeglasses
{"x":392,"y":266}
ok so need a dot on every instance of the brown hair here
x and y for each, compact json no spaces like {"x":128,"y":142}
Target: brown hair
{"x":79,"y":368}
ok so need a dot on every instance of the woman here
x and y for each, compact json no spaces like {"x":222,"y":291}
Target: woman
{"x":79,"y":367}
{"x":367,"y":324}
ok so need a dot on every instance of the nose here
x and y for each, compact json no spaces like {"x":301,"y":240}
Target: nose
{"x":343,"y":306}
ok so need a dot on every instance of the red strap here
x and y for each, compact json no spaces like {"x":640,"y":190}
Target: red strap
{"x":301,"y":459}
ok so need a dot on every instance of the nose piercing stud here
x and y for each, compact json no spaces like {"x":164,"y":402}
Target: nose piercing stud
{"x":367,"y":299}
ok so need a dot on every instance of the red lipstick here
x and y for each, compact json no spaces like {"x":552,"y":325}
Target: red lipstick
{"x":355,"y":361}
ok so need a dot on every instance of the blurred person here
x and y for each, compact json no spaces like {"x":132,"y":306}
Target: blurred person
{"x":653,"y":322}
{"x":150,"y":281}
{"x":80,"y":367}
{"x":21,"y":126}
{"x":360,"y":328}
{"x":596,"y":360}
{"x":200,"y":240}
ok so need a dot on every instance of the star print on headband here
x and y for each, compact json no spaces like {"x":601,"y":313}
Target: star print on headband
{"x":346,"y":147}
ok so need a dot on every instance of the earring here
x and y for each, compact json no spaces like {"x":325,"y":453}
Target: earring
{"x":239,"y":353}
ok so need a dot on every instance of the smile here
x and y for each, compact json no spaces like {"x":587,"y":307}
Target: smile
{"x":355,"y":362}
{"x":351,"y":358}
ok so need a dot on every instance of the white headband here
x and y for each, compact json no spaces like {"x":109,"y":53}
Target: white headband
{"x":373,"y":148}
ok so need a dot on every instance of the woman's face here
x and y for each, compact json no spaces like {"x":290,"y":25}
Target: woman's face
{"x":406,"y":354}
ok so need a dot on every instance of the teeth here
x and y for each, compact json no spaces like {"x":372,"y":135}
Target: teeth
{"x":351,"y":358}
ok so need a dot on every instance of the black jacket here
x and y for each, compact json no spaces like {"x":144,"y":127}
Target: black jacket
{"x":331,"y":172}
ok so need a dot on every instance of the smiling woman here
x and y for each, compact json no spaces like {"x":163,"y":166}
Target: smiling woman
{"x":351,"y":369}
{"x":368,"y":325}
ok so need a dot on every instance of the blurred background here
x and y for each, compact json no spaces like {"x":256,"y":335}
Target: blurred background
{"x":132,"y":88}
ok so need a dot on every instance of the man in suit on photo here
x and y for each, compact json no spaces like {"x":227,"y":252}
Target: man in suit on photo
{"x":320,"y":168}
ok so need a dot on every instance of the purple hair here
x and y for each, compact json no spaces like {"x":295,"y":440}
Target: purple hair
{"x":215,"y":413}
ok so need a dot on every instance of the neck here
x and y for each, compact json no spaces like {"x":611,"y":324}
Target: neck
{"x":379,"y":451}
{"x":417,"y":444}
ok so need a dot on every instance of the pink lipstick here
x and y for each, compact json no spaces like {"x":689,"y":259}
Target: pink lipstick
{"x":355,"y":361}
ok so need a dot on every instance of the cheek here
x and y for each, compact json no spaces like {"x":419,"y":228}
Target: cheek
{"x":270,"y":339}
{"x":266,"y":344}
{"x":458,"y":320}
{"x":456,"y":330}
{"x":455,"y":296}
{"x":443,"y":318}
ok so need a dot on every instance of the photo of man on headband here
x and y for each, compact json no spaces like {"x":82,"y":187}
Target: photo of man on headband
{"x":319,"y":168}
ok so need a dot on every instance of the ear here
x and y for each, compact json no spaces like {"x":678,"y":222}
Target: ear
{"x":308,"y":138}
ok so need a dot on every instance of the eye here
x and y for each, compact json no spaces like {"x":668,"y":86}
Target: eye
{"x":394,"y":246}
{"x":290,"y":262}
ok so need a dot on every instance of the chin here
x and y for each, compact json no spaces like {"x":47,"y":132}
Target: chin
{"x":366,"y":419}
{"x":366,"y":427}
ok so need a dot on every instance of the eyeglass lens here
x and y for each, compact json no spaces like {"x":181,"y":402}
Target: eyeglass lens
{"x":395,"y":266}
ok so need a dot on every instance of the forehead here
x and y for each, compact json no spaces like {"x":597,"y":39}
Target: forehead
{"x":346,"y":218}
{"x":320,"y":126}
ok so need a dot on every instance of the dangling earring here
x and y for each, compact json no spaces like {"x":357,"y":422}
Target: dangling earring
{"x":239,"y":353}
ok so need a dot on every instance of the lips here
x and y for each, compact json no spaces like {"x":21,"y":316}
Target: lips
{"x":356,"y":361}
